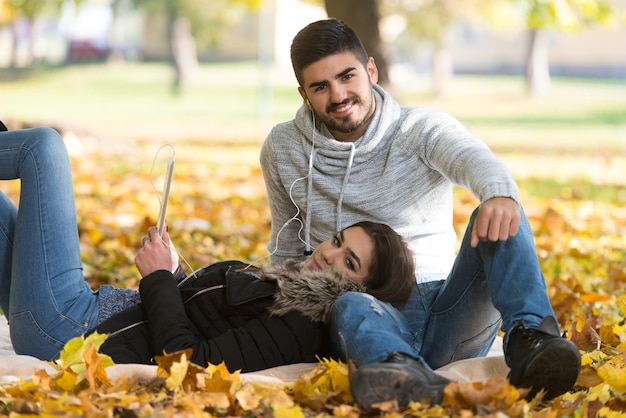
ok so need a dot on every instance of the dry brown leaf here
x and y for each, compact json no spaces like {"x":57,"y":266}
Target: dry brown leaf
{"x":587,"y":339}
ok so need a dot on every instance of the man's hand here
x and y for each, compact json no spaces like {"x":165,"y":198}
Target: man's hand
{"x":156,"y":253}
{"x":497,"y":220}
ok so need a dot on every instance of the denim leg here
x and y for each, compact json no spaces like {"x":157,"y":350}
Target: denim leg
{"x":494,"y":282}
{"x":8,"y":217}
{"x":49,"y":302}
{"x":366,"y":330}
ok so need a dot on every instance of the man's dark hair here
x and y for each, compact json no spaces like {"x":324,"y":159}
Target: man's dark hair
{"x":321,"y":39}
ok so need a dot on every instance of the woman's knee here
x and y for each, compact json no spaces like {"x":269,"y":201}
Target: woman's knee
{"x":47,"y":138}
{"x":46,"y":148}
{"x":28,"y":338}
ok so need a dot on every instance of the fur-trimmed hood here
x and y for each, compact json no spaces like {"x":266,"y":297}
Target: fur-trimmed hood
{"x":312,"y":293}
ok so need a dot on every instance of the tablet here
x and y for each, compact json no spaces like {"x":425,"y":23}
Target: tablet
{"x":166,"y":195}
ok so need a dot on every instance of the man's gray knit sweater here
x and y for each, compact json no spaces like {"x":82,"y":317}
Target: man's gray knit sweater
{"x":400,"y":172}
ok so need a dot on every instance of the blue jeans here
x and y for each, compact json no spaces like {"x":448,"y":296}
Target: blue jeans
{"x":489,"y":287}
{"x":42,"y":290}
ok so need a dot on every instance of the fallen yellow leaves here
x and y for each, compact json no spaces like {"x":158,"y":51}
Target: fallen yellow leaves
{"x":220,"y":212}
{"x":80,"y":387}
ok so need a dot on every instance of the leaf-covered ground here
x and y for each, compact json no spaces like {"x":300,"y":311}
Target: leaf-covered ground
{"x":219,"y":211}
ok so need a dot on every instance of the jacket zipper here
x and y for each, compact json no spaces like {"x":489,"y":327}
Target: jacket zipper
{"x":126,"y":328}
{"x":136,"y":324}
{"x":203,"y":291}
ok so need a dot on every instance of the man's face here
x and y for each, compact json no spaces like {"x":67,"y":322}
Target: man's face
{"x":338,"y":89}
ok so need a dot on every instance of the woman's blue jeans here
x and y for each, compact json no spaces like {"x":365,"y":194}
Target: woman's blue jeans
{"x":42,"y":290}
{"x":495,"y":284}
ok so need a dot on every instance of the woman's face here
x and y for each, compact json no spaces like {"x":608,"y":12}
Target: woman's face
{"x":349,"y":252}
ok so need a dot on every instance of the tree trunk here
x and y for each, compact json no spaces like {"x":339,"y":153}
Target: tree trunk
{"x":537,"y":63}
{"x":183,"y":50}
{"x":14,"y":46}
{"x":363,"y":16}
{"x":442,"y":64}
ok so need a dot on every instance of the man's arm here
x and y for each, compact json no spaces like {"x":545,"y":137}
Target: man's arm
{"x":467,"y":161}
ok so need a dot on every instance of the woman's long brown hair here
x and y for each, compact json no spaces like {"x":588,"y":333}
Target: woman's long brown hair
{"x":392,"y":270}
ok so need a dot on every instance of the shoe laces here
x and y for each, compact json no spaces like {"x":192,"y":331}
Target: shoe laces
{"x":533,"y":337}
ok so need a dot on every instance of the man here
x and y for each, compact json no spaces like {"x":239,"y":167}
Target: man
{"x":351,"y":153}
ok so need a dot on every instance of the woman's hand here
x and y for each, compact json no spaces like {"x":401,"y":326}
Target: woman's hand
{"x":156,"y":253}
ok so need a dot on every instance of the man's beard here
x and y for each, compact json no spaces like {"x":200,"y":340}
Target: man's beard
{"x":346,"y":124}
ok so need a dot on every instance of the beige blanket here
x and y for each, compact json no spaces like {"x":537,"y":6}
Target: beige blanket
{"x":14,"y":367}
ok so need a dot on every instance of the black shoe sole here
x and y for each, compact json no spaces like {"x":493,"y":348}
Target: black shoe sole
{"x":554,"y":368}
{"x":375,"y":383}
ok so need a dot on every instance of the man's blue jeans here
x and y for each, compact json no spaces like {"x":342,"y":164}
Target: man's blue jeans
{"x":42,"y":290}
{"x":496,"y":283}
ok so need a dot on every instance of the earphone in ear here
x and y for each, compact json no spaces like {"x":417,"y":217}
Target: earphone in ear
{"x":308,"y":102}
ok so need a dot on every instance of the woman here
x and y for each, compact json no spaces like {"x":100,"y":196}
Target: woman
{"x":249,"y":318}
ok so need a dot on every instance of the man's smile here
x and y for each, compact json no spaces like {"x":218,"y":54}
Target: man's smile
{"x":343,"y":108}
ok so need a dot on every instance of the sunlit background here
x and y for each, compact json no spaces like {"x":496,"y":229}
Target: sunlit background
{"x":542,"y":82}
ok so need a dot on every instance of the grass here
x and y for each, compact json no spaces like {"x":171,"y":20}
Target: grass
{"x":576,"y":131}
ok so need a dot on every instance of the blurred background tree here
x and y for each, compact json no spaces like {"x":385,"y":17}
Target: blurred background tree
{"x":184,"y":28}
{"x":364,"y":17}
{"x":188,"y":23}
{"x":33,"y":12}
{"x":562,"y":15}
{"x":432,"y":20}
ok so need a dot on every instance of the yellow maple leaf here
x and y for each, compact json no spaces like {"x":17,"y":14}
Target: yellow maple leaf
{"x":219,"y":379}
{"x":66,"y":380}
{"x":222,"y":370}
{"x":497,"y":392}
{"x":593,"y":357}
{"x":347,"y":411}
{"x":339,"y":377}
{"x":177,"y":374}
{"x":166,"y":361}
{"x":275,"y":395}
{"x":42,"y":378}
{"x":251,"y":396}
{"x":248,"y":398}
{"x":183,"y":375}
{"x":288,"y":412}
{"x":620,"y":331}
{"x":614,"y":375}
{"x":72,"y":355}
{"x":329,"y":377}
{"x":79,"y":361}
{"x":601,"y":392}
{"x":217,"y":400}
{"x":606,"y":412}
{"x":95,"y":364}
